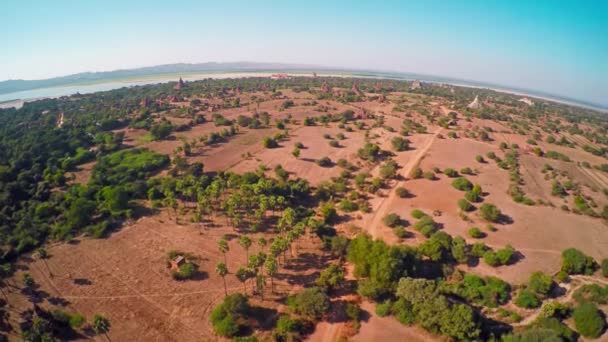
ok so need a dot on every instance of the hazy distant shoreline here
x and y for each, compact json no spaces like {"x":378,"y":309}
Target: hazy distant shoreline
{"x":16,"y":99}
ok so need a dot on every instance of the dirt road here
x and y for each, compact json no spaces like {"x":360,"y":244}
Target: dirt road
{"x":376,"y":219}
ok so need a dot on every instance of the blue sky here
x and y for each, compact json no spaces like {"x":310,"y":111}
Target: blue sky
{"x":559,"y":47}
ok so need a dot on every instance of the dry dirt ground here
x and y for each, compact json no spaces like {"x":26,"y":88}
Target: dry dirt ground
{"x":125,"y":276}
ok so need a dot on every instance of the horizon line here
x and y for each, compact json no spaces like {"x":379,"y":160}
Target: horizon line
{"x":541,"y":94}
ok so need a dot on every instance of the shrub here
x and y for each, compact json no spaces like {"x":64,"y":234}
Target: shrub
{"x":588,"y":320}
{"x":527,"y":299}
{"x":490,"y":212}
{"x":226,"y":316}
{"x":479,"y":159}
{"x":299,"y":145}
{"x":476,"y":233}
{"x":347,"y":205}
{"x":426,"y":226}
{"x":417,"y":214}
{"x":591,"y":293}
{"x":462,"y":184}
{"x":311,"y":303}
{"x":479,"y":249}
{"x":474,"y":195}
{"x":553,"y":324}
{"x":450,"y":172}
{"x":400,"y":232}
{"x":576,"y":262}
{"x":400,"y":144}
{"x":466,"y":171}
{"x":324,"y":162}
{"x":540,"y":283}
{"x":402,"y":192}
{"x":417,"y":173}
{"x":605,"y":267}
{"x":384,"y":309}
{"x":186,"y":271}
{"x":429,"y":175}
{"x":464,"y":205}
{"x":286,"y":325}
{"x":391,"y":220}
{"x":269,"y":142}
{"x":334,"y":143}
{"x":561,"y":277}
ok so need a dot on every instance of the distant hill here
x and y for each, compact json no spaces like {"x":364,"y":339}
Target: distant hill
{"x":12,"y":86}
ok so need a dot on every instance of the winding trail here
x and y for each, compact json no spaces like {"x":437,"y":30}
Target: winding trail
{"x":583,"y":280}
{"x":376,"y":220}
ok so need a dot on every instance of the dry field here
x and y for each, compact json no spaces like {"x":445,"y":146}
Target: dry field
{"x":126,"y":278}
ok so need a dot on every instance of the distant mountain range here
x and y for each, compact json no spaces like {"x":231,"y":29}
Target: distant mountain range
{"x":12,"y":86}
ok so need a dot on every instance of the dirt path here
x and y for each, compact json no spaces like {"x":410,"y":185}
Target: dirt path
{"x":584,"y":280}
{"x":379,"y":212}
{"x":599,"y":179}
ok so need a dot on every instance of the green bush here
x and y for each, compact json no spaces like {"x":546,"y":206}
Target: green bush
{"x":230,"y":316}
{"x":311,"y":303}
{"x":417,"y":214}
{"x":588,"y":320}
{"x":186,"y":271}
{"x":391,"y":220}
{"x":527,"y":299}
{"x":555,"y":325}
{"x":476,"y":233}
{"x":450,"y":172}
{"x":402,"y":192}
{"x":464,"y":205}
{"x":540,"y":283}
{"x":605,"y":267}
{"x":576,"y":262}
{"x":384,"y":309}
{"x":324,"y":162}
{"x":417,"y":173}
{"x":490,"y":212}
{"x":400,"y":144}
{"x":462,"y":184}
{"x":591,"y":293}
{"x":269,"y":142}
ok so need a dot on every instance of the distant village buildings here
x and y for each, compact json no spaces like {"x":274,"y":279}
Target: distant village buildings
{"x":180,"y":84}
{"x":415,"y":85}
{"x":526,"y":101}
{"x":279,"y":76}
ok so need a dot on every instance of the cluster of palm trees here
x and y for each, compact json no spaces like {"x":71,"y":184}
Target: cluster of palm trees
{"x":267,"y":261}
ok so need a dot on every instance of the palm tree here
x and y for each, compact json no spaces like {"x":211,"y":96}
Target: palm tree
{"x":242,"y":274}
{"x":101,"y":325}
{"x":223,"y":248}
{"x":271,"y":270}
{"x":262,"y":242}
{"x":43,"y":255}
{"x":222,"y":270}
{"x":245,"y":242}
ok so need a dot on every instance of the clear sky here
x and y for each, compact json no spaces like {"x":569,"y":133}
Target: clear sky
{"x":559,"y":47}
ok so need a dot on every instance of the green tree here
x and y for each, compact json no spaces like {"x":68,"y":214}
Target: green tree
{"x":100,"y":324}
{"x":576,"y":262}
{"x":222,"y":270}
{"x":331,"y":278}
{"x":271,"y":267}
{"x":245,"y":242}
{"x":311,"y":303}
{"x":223,"y":247}
{"x":588,"y":320}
